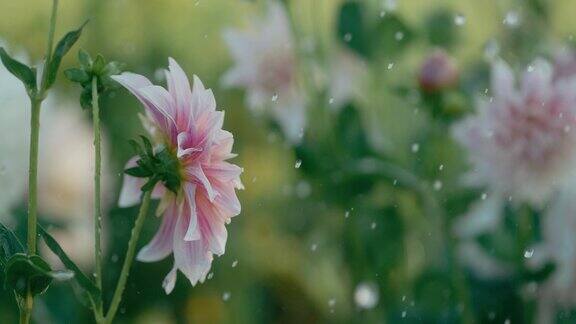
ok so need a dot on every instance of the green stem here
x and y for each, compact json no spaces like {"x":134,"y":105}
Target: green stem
{"x":129,"y":258}
{"x":97,"y":172}
{"x":36,"y":102}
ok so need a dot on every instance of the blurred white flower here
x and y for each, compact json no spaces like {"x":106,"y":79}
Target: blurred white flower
{"x":266,"y":66}
{"x":65,"y":177}
{"x":14,"y":112}
{"x":346,"y":74}
{"x":559,"y":247}
{"x":522,"y":142}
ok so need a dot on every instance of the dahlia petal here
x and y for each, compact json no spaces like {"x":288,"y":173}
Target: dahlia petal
{"x":161,"y":244}
{"x":193,"y":231}
{"x":213,"y":227}
{"x":160,"y":100}
{"x":170,"y":281}
{"x":179,"y":88}
{"x":196,"y":173}
{"x":191,"y":257}
{"x":502,"y":79}
{"x":223,"y":171}
{"x":536,"y":83}
{"x":227,"y":200}
{"x":182,"y":140}
{"x":134,"y":82}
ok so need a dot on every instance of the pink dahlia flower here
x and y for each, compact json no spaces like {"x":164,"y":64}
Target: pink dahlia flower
{"x":522,"y":141}
{"x":266,"y":65}
{"x":187,"y":124}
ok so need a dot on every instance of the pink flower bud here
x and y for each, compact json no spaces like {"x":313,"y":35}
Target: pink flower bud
{"x":438,"y":72}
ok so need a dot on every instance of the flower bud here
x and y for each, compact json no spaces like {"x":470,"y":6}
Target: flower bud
{"x":438,"y":72}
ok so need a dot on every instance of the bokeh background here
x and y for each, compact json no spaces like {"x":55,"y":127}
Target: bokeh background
{"x":306,"y":248}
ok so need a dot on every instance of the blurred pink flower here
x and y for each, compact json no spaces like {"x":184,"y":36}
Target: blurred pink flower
{"x":522,"y":142}
{"x":187,"y":123}
{"x":266,"y":65}
{"x":438,"y":72}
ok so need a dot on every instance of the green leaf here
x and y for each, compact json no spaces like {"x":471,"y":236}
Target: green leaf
{"x":82,"y":280}
{"x":19,"y":70}
{"x":86,"y":97}
{"x":391,"y":35}
{"x":85,"y":60}
{"x":24,"y":271}
{"x":62,"y":48}
{"x":440,"y":28}
{"x":9,"y":244}
{"x":351,"y":29}
{"x":99,"y":65}
{"x":77,"y":75}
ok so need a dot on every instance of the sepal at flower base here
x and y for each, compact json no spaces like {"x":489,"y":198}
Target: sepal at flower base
{"x":93,"y":68}
{"x":158,"y":167}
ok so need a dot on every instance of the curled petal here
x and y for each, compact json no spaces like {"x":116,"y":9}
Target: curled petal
{"x":161,"y":245}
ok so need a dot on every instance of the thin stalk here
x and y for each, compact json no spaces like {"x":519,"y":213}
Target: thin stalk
{"x":35,"y":103}
{"x":129,"y":258}
{"x":97,"y":172}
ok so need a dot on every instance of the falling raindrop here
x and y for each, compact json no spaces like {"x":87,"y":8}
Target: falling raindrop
{"x":332,"y":302}
{"x":373,"y":225}
{"x":331,"y":100}
{"x":437,"y":185}
{"x":399,"y":36}
{"x":528,"y":253}
{"x":459,"y":19}
{"x":226,"y":296}
{"x":366,"y":295}
{"x":347,"y":214}
{"x":275,"y":97}
{"x":530,"y":68}
{"x":234,"y":263}
{"x":313,"y":247}
{"x":441,"y":167}
{"x":404,"y":314}
{"x":415,"y":148}
{"x":390,"y":66}
{"x":210,"y":275}
{"x":512,"y":19}
{"x":347,"y":37}
{"x":298,"y":164}
{"x":484,"y":196}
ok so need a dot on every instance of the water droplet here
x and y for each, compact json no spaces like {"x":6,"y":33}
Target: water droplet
{"x":459,"y":19}
{"x":528,"y":253}
{"x":114,"y":258}
{"x":366,"y":295}
{"x":530,"y":68}
{"x":437,"y":185}
{"x":331,"y":101}
{"x":390,"y":66}
{"x":382,"y":13}
{"x":226,"y":296}
{"x":484,"y":196}
{"x":441,"y":167}
{"x":373,"y":225}
{"x":210,"y":275}
{"x":62,"y":275}
{"x":313,"y":247}
{"x":507,"y":321}
{"x":415,"y":148}
{"x":347,"y":214}
{"x":399,"y":36}
{"x":234,"y":263}
{"x":347,"y":37}
{"x":404,"y":314}
{"x":395,"y":182}
{"x":332,"y":302}
{"x":511,"y":19}
{"x":275,"y":97}
{"x":298,"y":164}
